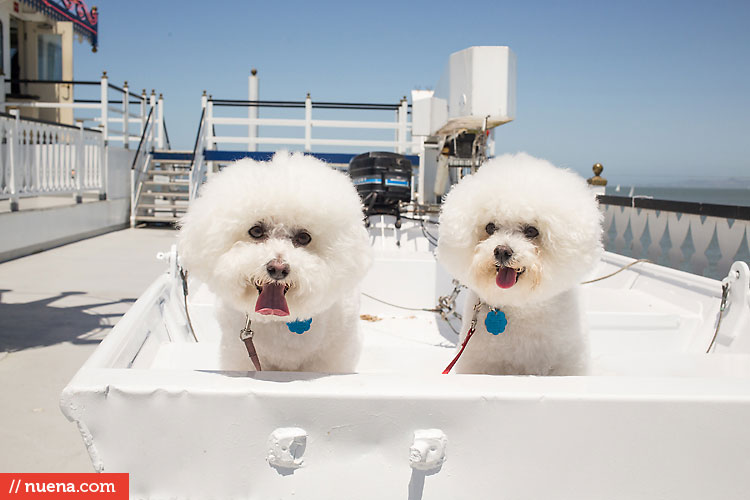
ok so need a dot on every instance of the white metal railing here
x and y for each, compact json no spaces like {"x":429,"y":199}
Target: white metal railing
{"x":401,"y":143}
{"x":661,"y":235}
{"x":198,"y":166}
{"x":118,"y":113}
{"x":40,"y":158}
{"x":142,"y":162}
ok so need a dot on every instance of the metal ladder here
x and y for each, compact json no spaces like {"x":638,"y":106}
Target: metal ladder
{"x":164,"y":192}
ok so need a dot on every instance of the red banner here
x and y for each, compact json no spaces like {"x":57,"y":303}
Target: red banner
{"x":87,"y":486}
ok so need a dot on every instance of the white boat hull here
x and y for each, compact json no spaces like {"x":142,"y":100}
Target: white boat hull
{"x":657,"y":419}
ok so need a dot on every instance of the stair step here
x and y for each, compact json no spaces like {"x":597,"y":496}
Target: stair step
{"x":167,"y":172}
{"x":172,"y":182}
{"x":176,"y":162}
{"x":155,"y":218}
{"x":163,"y":206}
{"x":167,"y":194}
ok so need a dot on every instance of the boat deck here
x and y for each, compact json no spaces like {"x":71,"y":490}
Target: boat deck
{"x":55,"y":307}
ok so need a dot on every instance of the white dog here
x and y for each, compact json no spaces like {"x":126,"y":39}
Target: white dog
{"x":522,"y":234}
{"x":283,"y":245}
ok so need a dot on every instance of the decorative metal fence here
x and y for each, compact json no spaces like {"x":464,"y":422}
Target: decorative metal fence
{"x":41,"y":158}
{"x":700,"y":238}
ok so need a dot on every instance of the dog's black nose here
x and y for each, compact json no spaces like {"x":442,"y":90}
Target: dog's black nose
{"x":277,"y":269}
{"x":503,"y":254}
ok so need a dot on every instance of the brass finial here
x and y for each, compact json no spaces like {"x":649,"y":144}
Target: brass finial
{"x":308,"y":95}
{"x":125,"y":84}
{"x":253,"y":71}
{"x":597,"y":180}
{"x":104,"y":74}
{"x":161,"y":96}
{"x":143,"y":92}
{"x":204,"y":92}
{"x":153,"y":92}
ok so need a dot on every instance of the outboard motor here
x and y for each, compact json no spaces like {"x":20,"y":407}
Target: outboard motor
{"x":383,"y":180}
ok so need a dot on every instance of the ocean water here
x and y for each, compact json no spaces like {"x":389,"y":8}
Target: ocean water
{"x":686,"y":261}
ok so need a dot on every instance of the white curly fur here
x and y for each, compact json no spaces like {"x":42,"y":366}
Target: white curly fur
{"x":288,"y":194}
{"x":546,"y":333}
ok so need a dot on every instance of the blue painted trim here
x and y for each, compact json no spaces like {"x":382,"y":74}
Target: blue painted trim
{"x":394,"y":182}
{"x":168,"y":155}
{"x":358,"y":181}
{"x":341,"y":158}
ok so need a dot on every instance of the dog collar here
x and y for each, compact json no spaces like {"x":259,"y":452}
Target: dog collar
{"x":299,"y":326}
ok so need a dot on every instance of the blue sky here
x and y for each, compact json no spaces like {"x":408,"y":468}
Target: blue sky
{"x":659,"y":92}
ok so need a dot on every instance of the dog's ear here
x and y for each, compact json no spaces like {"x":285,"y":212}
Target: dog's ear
{"x":199,"y":240}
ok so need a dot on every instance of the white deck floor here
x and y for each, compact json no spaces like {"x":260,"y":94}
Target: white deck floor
{"x":55,"y":307}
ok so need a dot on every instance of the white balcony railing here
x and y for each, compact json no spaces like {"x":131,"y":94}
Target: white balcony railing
{"x":700,"y":238}
{"x":120,"y":114}
{"x":40,"y":158}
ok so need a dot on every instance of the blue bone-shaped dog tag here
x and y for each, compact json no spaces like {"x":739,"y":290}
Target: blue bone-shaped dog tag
{"x":495,"y":322}
{"x":299,"y":326}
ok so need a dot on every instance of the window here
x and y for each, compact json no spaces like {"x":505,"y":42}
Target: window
{"x":49,"y":50}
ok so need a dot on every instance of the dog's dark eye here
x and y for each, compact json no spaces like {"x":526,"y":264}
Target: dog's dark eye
{"x":257,"y":232}
{"x":490,"y":228}
{"x":302,"y":238}
{"x":530,"y":232}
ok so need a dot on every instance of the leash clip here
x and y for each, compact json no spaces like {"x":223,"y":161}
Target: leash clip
{"x":246,"y":333}
{"x":246,"y":336}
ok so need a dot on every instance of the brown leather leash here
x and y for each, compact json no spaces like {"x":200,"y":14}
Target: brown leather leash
{"x":246,"y":336}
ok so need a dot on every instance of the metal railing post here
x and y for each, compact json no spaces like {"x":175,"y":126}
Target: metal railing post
{"x":403,"y":111}
{"x":105,"y":106}
{"x":210,"y":144}
{"x":252,"y":111}
{"x":308,"y":123}
{"x":104,"y":166}
{"x":126,"y":117}
{"x":15,"y":145}
{"x":152,"y":131}
{"x":160,"y":121}
{"x":144,"y":115}
{"x":80,"y":167}
{"x":210,"y":141}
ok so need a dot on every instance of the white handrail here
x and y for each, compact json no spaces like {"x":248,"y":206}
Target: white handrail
{"x":401,"y":143}
{"x":141,"y":163}
{"x":108,"y":112}
{"x":198,"y":167}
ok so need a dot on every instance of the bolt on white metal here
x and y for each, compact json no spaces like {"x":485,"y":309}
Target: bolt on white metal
{"x":427,"y":451}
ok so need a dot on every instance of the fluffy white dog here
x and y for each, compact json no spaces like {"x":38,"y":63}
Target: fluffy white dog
{"x":283,"y":244}
{"x":522,"y":234}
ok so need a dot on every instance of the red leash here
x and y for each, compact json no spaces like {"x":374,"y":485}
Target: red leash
{"x":472,"y":329}
{"x":463,"y":346}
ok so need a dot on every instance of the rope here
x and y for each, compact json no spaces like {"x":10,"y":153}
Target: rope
{"x":183,"y":275}
{"x":616,"y":272}
{"x":724,"y":295}
{"x":434,"y":309}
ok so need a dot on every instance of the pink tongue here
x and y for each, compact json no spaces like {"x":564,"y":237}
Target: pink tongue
{"x":271,"y":300}
{"x":506,"y":277}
